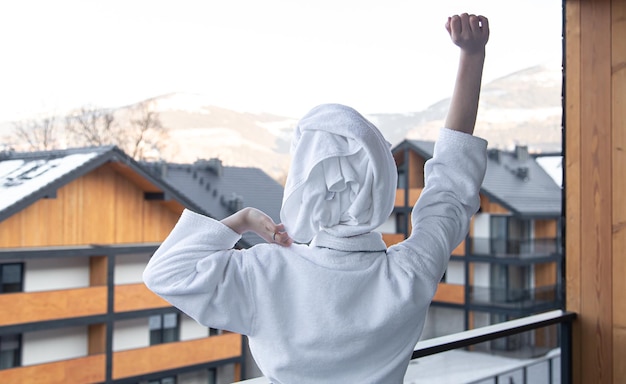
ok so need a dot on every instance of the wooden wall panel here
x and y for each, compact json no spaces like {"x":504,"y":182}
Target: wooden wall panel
{"x":133,"y":297}
{"x":158,"y":221}
{"x":98,"y":221}
{"x":450,"y":293}
{"x":102,"y":207}
{"x":128,"y":211}
{"x":392,"y":238}
{"x":545,"y":229}
{"x":10,"y":230}
{"x":572,"y":177}
{"x":545,"y":274}
{"x":96,"y":341}
{"x":51,"y":305}
{"x":618,"y":86}
{"x":140,"y":361}
{"x":594,"y":185}
{"x":596,"y":283}
{"x":82,"y":370}
{"x":488,"y":206}
{"x":416,"y":170}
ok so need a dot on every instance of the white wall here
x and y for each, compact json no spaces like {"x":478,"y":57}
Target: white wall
{"x":482,"y":231}
{"x":129,"y":268}
{"x":196,"y":377}
{"x":442,"y":321}
{"x":455,"y":273}
{"x":190,"y":329}
{"x":53,"y":274}
{"x":54,"y":345}
{"x":482,"y":275}
{"x":388,"y":226}
{"x":130,"y":334}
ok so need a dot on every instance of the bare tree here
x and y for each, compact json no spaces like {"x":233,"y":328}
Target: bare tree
{"x":92,"y":126}
{"x":138,"y":131}
{"x":37,"y":134}
{"x":147,"y":134}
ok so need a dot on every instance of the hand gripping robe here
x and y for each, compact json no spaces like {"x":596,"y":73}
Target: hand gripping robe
{"x":339,"y":307}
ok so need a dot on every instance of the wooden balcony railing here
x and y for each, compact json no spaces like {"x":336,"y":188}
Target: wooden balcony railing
{"x":89,"y":369}
{"x":26,"y":307}
{"x":135,"y":297}
{"x":163,"y":357}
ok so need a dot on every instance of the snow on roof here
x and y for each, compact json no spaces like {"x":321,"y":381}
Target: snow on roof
{"x":553,"y":165}
{"x":20,"y":178}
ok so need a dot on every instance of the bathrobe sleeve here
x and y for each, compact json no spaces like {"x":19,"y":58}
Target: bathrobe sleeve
{"x":197,"y":271}
{"x":440,"y":218}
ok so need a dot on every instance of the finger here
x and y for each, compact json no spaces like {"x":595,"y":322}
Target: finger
{"x":474,"y":25}
{"x":465,"y":24}
{"x":455,"y":26}
{"x":448,"y":25}
{"x":282,"y":238}
{"x":484,"y":26}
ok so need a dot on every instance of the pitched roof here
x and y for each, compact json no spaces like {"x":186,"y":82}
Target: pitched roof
{"x":513,"y":179}
{"x":26,"y":177}
{"x":222,"y":190}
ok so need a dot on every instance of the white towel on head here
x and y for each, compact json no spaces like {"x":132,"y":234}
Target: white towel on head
{"x":342,"y":178}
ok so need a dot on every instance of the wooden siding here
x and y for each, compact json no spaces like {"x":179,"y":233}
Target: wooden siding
{"x":162,"y":357}
{"x":450,"y":293}
{"x":488,"y":206}
{"x":135,"y":297}
{"x":18,"y":308}
{"x":545,"y":274}
{"x":101,"y":207}
{"x":595,"y":174}
{"x":416,"y":170}
{"x":414,"y":194}
{"x":82,"y":370}
{"x":392,"y":238}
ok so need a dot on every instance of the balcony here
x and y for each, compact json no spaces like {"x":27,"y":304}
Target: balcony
{"x":136,"y":297}
{"x":455,"y":358}
{"x":26,"y":307}
{"x":130,"y":363}
{"x":163,"y":357}
{"x":89,"y":369}
{"x":528,"y":248}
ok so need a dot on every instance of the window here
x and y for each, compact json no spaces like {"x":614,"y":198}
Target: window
{"x":510,"y":235}
{"x":10,"y":351}
{"x":164,"y":328}
{"x":163,"y":380}
{"x":214,"y":332}
{"x":11,"y":278}
{"x":212,"y":376}
{"x":401,"y":223}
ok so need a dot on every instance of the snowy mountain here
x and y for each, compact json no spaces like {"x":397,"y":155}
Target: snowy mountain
{"x":521,"y":108}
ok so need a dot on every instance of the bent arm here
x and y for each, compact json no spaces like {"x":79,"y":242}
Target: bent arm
{"x":196,"y":270}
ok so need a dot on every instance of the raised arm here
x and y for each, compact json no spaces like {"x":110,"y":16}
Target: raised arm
{"x":470,"y":33}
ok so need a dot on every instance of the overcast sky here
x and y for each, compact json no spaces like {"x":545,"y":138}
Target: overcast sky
{"x":278,"y":56}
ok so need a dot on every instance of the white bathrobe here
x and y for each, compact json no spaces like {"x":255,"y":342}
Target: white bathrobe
{"x":340,"y":310}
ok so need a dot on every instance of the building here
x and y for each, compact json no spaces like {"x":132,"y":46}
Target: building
{"x":77,"y":228}
{"x":510,"y":264}
{"x":223,"y":190}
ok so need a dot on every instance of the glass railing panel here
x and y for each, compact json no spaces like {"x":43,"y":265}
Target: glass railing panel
{"x":516,"y":298}
{"x":513,"y":247}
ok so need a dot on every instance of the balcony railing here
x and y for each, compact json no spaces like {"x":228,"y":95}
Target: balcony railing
{"x":514,"y":248}
{"x":506,"y":329}
{"x":494,"y":332}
